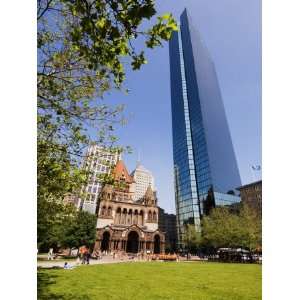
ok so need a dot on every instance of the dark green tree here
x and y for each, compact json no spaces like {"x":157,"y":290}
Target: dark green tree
{"x":191,"y":238}
{"x":52,"y":217}
{"x":80,"y":230}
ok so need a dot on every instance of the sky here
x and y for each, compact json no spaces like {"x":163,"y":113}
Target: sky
{"x":231,"y":30}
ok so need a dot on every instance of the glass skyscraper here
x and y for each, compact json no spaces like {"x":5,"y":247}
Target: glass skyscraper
{"x":205,"y":167}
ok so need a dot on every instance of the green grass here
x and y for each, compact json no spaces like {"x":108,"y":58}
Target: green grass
{"x":153,"y":280}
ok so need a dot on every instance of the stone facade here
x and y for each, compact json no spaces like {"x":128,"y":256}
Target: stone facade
{"x":126,"y":225}
{"x":251,"y":194}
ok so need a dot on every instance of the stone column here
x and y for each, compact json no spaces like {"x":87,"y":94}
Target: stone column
{"x":141,"y":246}
{"x":162,"y":247}
{"x":97,"y":245}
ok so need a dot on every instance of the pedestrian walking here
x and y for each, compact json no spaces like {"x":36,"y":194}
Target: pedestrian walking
{"x":82,"y":251}
{"x":50,"y":254}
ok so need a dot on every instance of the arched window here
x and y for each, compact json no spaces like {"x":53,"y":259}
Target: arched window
{"x":129,"y":218}
{"x":118,"y":216}
{"x":154,"y":217}
{"x":103,"y":210}
{"x":124,"y":216}
{"x":141,"y":218}
{"x":135,"y":217}
{"x":109,"y":211}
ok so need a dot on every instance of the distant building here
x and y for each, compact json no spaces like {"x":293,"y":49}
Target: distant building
{"x":251,"y":194}
{"x":98,"y":160}
{"x":167,"y":224}
{"x":143,"y":178}
{"x":126,"y":225}
{"x":205,"y":166}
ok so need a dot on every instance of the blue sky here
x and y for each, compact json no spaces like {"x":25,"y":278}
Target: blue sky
{"x":231,"y":30}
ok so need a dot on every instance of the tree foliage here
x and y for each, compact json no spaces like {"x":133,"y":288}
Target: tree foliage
{"x":80,"y":230}
{"x":191,"y":237}
{"x":223,"y":228}
{"x":83,"y":48}
{"x":52,"y":217}
{"x":61,"y":225}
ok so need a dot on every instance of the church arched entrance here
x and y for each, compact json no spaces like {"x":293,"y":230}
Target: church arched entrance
{"x":132,"y":242}
{"x":156,"y":244}
{"x":105,"y":241}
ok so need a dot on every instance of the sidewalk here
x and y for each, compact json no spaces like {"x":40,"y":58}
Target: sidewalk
{"x":73,"y":262}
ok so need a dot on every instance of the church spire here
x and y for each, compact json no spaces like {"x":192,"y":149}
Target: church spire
{"x":149,"y":196}
{"x":138,"y":163}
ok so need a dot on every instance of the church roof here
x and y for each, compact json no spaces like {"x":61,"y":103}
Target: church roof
{"x":121,"y":172}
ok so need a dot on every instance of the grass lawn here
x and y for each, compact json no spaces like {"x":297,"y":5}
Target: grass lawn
{"x":152,"y":280}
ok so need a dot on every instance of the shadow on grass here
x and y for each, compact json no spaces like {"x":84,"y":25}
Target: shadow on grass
{"x":45,"y":280}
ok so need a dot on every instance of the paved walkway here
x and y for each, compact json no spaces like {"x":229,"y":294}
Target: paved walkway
{"x":73,"y":262}
{"x":107,"y":259}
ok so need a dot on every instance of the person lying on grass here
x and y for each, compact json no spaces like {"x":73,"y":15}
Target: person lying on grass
{"x":67,"y":266}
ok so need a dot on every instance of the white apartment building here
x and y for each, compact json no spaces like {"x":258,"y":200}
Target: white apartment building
{"x":143,"y":178}
{"x":98,"y":160}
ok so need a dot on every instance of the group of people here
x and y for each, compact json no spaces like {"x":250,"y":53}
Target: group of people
{"x":84,"y":255}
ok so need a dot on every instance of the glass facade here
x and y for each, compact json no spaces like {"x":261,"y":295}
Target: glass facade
{"x":205,"y":167}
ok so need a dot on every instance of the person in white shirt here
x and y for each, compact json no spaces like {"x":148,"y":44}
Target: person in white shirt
{"x":50,"y":254}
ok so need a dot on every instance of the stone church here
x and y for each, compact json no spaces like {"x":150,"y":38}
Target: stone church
{"x":125,"y":225}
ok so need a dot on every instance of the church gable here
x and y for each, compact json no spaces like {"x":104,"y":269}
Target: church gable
{"x":120,"y":173}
